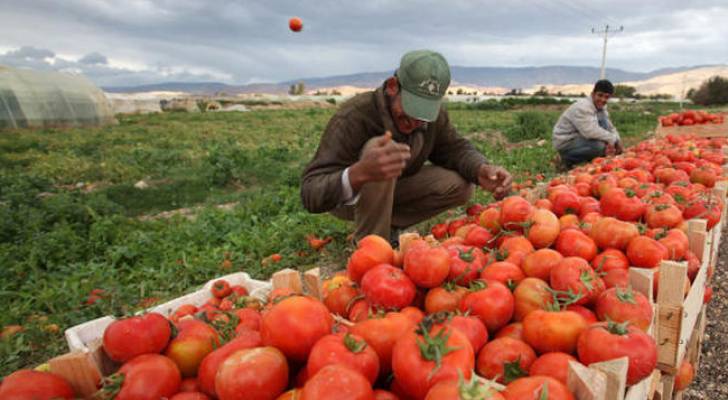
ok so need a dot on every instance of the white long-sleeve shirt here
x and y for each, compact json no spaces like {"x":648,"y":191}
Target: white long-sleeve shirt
{"x":581,"y":119}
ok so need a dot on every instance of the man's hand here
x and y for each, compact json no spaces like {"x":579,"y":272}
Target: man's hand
{"x":618,"y":149}
{"x":495,"y":179}
{"x":610,"y":151}
{"x":381,"y":159}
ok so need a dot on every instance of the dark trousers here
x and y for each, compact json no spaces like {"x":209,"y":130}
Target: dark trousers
{"x":581,"y":150}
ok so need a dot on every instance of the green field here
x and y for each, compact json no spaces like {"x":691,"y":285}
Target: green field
{"x":71,"y":219}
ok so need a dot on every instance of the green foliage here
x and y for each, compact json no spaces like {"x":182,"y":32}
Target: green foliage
{"x":509,"y":103}
{"x":625,"y":91}
{"x":711,"y":92}
{"x":530,"y":125}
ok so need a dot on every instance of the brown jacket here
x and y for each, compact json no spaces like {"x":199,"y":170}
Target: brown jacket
{"x":363,"y":117}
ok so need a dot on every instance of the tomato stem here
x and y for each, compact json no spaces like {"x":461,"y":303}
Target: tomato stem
{"x":355,"y":346}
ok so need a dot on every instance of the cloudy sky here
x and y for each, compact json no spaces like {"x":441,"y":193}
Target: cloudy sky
{"x":130,"y":42}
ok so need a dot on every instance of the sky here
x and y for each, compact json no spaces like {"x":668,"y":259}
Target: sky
{"x":134,"y":42}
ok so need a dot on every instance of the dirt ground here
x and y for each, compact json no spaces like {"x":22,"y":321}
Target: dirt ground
{"x":711,"y":381}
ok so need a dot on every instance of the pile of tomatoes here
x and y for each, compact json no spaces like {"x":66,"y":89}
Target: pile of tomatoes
{"x":691,"y":117}
{"x":493,"y":305}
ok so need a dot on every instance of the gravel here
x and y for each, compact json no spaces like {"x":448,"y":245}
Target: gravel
{"x":711,"y":380}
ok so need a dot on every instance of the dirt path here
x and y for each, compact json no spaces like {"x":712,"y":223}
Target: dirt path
{"x":711,"y":381}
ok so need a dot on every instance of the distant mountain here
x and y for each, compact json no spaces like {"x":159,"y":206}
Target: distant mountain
{"x":507,"y":77}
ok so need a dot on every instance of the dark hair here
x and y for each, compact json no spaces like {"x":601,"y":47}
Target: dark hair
{"x":604,"y":86}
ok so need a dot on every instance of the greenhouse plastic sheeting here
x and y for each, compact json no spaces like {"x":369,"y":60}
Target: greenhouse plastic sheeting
{"x":31,"y":99}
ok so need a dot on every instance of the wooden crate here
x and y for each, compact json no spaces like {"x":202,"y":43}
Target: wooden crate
{"x":677,"y":314}
{"x":665,"y":390}
{"x":86,"y":363}
{"x":703,"y":130}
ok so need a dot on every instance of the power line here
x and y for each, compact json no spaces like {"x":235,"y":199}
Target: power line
{"x":590,"y":12}
{"x":606,"y":33}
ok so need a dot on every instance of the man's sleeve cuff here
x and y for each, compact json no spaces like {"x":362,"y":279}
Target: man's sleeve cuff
{"x":348,"y":191}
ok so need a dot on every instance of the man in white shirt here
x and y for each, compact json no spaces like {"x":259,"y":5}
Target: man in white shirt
{"x":584,"y":131}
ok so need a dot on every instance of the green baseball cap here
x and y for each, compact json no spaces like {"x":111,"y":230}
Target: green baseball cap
{"x":424,"y":76}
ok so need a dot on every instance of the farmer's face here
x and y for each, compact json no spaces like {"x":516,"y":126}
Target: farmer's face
{"x":600,"y":99}
{"x":405,"y":123}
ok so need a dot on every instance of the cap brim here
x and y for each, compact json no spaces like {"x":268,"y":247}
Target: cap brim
{"x":420,"y":108}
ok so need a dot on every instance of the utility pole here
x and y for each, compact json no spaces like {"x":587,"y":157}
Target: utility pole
{"x":606,"y":33}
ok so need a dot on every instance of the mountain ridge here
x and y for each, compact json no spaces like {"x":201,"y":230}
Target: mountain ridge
{"x":507,"y":77}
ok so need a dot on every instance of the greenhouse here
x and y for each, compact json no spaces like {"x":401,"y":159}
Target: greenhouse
{"x":33,"y":99}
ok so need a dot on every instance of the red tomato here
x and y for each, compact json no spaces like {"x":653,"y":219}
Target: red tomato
{"x":380,"y":394}
{"x":516,"y":244}
{"x":616,"y":278}
{"x":530,"y":295}
{"x":457,"y":390}
{"x":537,"y":388}
{"x":211,"y":363}
{"x":492,"y":302}
{"x":189,"y":396}
{"x":248,"y":318}
{"x":349,"y":350}
{"x":645,"y":252}
{"x":504,"y":272}
{"x":663,"y":216}
{"x":574,"y":243}
{"x":388,"y":287}
{"x":413,"y":313}
{"x":427,"y":266}
{"x":445,"y":298}
{"x":622,"y":204}
{"x":295,"y":24}
{"x":544,"y":228}
{"x":189,"y":385}
{"x":149,"y":376}
{"x":588,"y":314}
{"x":565,"y":202}
{"x":513,"y":330}
{"x":548,"y":331}
{"x":127,"y":338}
{"x":607,"y":341}
{"x":515,"y":212}
{"x":576,"y":275}
{"x":677,"y":244}
{"x":294,"y":325}
{"x":381,"y":334}
{"x":490,"y":219}
{"x":28,"y":384}
{"x":260,"y":373}
{"x":612,"y":233}
{"x":221,"y":289}
{"x":371,"y":251}
{"x":539,"y":263}
{"x":195,"y":327}
{"x":505,"y":360}
{"x":439,"y":231}
{"x":472,"y":328}
{"x":624,"y":304}
{"x":466,"y":262}
{"x":337,"y":382}
{"x":479,"y":237}
{"x":181,"y":311}
{"x":610,"y":259}
{"x":684,"y":377}
{"x":188,"y":351}
{"x":421,"y":359}
{"x":360,"y":310}
{"x":555,"y":365}
{"x":338,"y":292}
